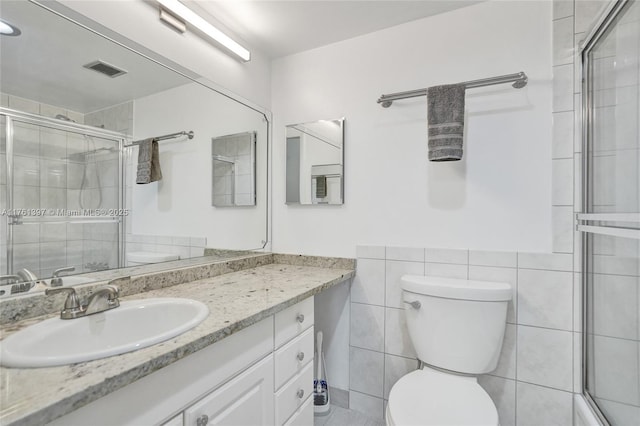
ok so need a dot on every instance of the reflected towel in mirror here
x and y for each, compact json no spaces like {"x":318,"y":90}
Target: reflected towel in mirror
{"x":148,"y":162}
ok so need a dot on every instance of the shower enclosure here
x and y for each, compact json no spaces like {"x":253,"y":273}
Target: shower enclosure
{"x":610,"y":222}
{"x":61,"y":195}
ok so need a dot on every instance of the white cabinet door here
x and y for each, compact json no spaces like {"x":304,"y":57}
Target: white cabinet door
{"x":245,"y":400}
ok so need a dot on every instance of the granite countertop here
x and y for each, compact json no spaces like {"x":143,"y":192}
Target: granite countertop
{"x":236,"y":300}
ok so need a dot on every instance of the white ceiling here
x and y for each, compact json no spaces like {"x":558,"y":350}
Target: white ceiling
{"x":45,"y":63}
{"x":280,"y":28}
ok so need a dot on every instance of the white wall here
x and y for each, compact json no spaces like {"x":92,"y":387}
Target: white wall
{"x":180,"y":204}
{"x":497,"y":198}
{"x":138,"y":21}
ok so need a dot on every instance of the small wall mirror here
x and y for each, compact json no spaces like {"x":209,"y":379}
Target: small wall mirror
{"x":315,"y":162}
{"x":234,"y":170}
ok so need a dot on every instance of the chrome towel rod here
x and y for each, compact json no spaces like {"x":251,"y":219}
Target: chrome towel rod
{"x":189,"y":134}
{"x":518,"y":79}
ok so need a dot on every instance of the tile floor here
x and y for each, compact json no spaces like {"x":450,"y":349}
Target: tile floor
{"x":339,"y":416}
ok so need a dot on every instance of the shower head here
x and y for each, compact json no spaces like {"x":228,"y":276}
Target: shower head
{"x":64,"y":117}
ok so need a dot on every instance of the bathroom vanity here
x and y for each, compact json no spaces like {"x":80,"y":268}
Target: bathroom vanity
{"x":249,"y":362}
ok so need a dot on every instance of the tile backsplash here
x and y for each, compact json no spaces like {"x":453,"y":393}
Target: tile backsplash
{"x":539,"y":366}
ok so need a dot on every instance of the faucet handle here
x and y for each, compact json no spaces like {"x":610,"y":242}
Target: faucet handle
{"x":72,"y":306}
{"x":58,"y":271}
{"x":56,"y":281}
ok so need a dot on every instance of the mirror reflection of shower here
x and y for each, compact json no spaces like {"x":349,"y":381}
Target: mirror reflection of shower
{"x":89,"y":158}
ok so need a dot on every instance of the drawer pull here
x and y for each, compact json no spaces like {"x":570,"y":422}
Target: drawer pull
{"x":300,"y":356}
{"x":300,"y":393}
{"x":202,"y":420}
{"x":300,"y":318}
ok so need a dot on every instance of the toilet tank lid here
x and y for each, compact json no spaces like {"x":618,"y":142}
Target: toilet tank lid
{"x":452,"y":288}
{"x":150,"y":257}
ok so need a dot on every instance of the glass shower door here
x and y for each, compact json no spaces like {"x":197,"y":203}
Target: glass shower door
{"x":610,"y":222}
{"x":61,"y":196}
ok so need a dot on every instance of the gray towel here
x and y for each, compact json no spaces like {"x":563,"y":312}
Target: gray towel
{"x":446,"y":122}
{"x":148,"y":162}
{"x":321,"y":186}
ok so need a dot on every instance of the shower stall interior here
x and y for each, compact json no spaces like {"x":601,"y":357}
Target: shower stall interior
{"x":610,"y":219}
{"x":61,"y":195}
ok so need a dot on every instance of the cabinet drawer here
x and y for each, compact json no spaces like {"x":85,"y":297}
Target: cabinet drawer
{"x":303,"y":415}
{"x":245,"y":400}
{"x":294,"y":394}
{"x":288,"y":362}
{"x":292,"y":321}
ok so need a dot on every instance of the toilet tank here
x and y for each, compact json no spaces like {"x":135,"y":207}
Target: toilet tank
{"x":459,"y":325}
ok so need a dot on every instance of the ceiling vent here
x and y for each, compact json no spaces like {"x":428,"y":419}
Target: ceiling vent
{"x":104,"y":68}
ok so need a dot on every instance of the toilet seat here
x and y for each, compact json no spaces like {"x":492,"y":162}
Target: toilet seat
{"x":431,"y":398}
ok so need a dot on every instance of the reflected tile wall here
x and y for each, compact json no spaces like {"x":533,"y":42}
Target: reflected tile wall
{"x":51,"y":170}
{"x":185,"y":247}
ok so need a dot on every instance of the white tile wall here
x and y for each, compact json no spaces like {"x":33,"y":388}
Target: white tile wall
{"x":367,"y":326}
{"x":185,"y":247}
{"x":366,"y":372}
{"x":537,"y":405}
{"x":46,"y":177}
{"x":368,"y":285}
{"x":545,"y":357}
{"x":535,"y":376}
{"x":545,"y":298}
{"x":503,"y":393}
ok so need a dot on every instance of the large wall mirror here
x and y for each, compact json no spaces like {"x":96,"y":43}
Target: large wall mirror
{"x":315,"y":162}
{"x":75,"y":108}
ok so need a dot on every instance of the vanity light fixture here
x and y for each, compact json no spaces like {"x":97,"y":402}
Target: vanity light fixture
{"x":8,"y":29}
{"x":183,"y":12}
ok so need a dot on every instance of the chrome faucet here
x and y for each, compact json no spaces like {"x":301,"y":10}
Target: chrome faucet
{"x":56,"y":281}
{"x":23,"y":281}
{"x":12,"y":280}
{"x":27,"y":276}
{"x":102,"y":300}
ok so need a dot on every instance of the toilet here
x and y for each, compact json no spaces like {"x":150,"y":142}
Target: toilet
{"x":136,"y":258}
{"x":457,"y":327}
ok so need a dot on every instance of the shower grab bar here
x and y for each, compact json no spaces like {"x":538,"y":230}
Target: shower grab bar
{"x":188,"y":134}
{"x":611,"y":231}
{"x":518,"y":79}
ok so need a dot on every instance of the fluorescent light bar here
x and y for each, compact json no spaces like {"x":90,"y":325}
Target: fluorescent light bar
{"x":197,"y":21}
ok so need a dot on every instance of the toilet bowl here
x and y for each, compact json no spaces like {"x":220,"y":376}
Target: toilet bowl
{"x":136,"y":258}
{"x":430,"y":397}
{"x":456,"y":327}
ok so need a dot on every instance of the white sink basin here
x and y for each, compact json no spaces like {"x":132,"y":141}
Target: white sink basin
{"x":132,"y":326}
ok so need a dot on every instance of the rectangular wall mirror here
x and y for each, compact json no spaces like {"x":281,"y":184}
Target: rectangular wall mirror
{"x":315,"y":162}
{"x":68,"y":161}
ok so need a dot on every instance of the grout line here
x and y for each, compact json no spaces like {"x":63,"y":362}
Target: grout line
{"x":546,"y":387}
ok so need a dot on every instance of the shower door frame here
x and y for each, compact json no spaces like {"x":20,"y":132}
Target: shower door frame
{"x":11,"y":116}
{"x":588,"y":223}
